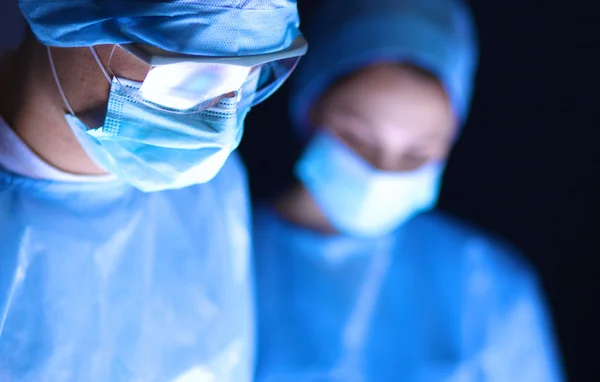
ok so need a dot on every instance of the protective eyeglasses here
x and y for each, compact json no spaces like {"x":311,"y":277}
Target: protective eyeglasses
{"x":180,"y":83}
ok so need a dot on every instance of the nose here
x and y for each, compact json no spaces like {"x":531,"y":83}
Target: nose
{"x":388,"y":154}
{"x":216,"y":100}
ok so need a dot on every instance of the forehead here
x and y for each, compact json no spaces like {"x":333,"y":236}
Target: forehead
{"x":390,"y":94}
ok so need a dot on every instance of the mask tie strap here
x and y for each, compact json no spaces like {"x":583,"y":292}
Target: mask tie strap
{"x":58,"y":85}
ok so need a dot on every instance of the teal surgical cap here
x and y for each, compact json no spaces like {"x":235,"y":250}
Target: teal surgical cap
{"x":197,"y":27}
{"x":347,"y":35}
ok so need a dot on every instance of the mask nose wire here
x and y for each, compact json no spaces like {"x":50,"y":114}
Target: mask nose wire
{"x":58,"y":85}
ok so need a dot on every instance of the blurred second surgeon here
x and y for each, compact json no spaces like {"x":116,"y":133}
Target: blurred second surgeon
{"x":357,"y":279}
{"x":124,"y":245}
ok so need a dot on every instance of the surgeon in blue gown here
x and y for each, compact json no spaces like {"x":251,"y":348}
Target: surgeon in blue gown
{"x":357,"y":278}
{"x":124,"y":223}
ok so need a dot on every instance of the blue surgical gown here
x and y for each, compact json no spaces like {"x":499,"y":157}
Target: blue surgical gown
{"x":434,"y":301}
{"x":103,"y":283}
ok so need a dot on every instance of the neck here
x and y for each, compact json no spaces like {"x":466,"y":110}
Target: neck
{"x":31,"y":105}
{"x":298,"y":207}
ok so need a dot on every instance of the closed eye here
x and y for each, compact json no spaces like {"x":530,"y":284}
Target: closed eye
{"x":363,"y":147}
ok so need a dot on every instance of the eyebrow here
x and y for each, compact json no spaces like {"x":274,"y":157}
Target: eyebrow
{"x":350,"y":112}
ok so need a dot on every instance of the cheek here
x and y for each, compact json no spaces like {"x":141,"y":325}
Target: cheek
{"x":436,"y":149}
{"x":85,"y":87}
{"x":447,"y":138}
{"x":444,"y":150}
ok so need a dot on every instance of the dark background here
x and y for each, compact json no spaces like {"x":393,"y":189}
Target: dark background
{"x":527,"y":164}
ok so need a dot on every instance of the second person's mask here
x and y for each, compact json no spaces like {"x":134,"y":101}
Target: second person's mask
{"x":358,"y":199}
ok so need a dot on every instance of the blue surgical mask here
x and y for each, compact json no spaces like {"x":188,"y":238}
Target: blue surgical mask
{"x":358,"y":199}
{"x":154,"y":150}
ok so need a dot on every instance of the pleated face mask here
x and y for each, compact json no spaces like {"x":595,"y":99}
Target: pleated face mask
{"x":155,"y":150}
{"x":358,"y":199}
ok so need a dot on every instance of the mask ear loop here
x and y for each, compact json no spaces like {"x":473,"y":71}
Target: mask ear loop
{"x":58,"y":85}
{"x":57,"y":81}
{"x":95,"y":54}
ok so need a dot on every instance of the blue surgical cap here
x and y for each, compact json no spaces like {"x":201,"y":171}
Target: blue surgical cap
{"x":346,"y":35}
{"x":198,"y":27}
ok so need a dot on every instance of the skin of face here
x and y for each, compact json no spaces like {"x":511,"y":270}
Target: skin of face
{"x":395,"y":116}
